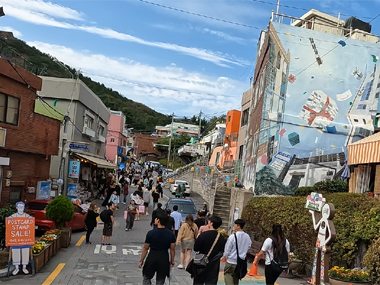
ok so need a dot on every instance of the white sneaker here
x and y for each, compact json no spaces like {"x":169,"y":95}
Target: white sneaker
{"x":25,"y":271}
{"x":180,"y":266}
{"x":147,"y":213}
{"x":123,"y":203}
{"x":15,"y":271}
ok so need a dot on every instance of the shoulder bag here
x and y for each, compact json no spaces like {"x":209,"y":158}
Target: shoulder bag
{"x":201,"y":259}
{"x":241,"y":266}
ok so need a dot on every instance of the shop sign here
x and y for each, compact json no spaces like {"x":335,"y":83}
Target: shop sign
{"x":121,"y":150}
{"x":19,"y":228}
{"x":43,"y":190}
{"x":72,"y":189}
{"x":315,"y":202}
{"x":74,"y":169}
{"x":79,"y":146}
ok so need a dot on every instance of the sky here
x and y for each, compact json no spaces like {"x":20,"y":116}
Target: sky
{"x":174,"y":56}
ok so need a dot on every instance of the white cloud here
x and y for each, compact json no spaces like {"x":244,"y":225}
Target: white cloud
{"x":16,"y":33}
{"x":45,"y":16}
{"x":225,"y":36}
{"x":156,"y":87}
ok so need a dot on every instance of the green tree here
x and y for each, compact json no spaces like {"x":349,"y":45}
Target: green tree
{"x":177,"y":142}
{"x":60,"y":211}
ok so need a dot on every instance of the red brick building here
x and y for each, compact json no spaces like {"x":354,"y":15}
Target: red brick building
{"x":27,"y":139}
{"x":144,"y":147}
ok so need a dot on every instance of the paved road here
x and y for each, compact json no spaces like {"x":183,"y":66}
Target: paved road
{"x":108,"y":265}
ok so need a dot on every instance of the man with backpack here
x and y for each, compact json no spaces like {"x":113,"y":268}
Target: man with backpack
{"x":107,"y":218}
{"x":235,"y":251}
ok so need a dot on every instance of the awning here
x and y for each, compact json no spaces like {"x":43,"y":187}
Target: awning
{"x":101,"y":163}
{"x":365,"y":151}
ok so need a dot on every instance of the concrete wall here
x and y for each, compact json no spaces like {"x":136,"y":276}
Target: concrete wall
{"x":239,"y":199}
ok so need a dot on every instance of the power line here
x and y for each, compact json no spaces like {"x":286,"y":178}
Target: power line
{"x":200,"y":15}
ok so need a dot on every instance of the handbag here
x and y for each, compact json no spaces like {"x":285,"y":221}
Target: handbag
{"x":201,"y":259}
{"x":241,"y":266}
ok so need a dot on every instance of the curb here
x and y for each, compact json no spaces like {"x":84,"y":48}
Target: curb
{"x":3,"y":272}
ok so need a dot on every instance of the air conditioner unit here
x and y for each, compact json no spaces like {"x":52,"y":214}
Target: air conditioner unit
{"x":3,"y":133}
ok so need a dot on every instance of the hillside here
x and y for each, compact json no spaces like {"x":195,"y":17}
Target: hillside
{"x":139,"y":116}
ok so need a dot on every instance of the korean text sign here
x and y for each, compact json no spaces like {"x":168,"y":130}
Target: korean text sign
{"x":74,"y":169}
{"x":19,"y":231}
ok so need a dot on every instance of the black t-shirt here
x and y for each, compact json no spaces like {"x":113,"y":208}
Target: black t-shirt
{"x":117,"y":189}
{"x":155,"y":196}
{"x":204,"y":243}
{"x":200,"y":222}
{"x":107,"y":218}
{"x":170,"y":223}
{"x":160,"y":239}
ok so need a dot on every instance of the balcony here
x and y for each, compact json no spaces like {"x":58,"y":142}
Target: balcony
{"x":101,"y":139}
{"x":88,"y":132}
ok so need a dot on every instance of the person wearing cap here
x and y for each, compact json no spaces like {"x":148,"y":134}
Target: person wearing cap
{"x":244,"y":242}
{"x":204,"y":208}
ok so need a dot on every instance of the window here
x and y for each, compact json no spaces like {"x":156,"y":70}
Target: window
{"x":229,"y":118}
{"x":362,"y":107}
{"x":377,"y":95}
{"x":241,"y":150}
{"x":100,"y":130}
{"x":278,"y":63}
{"x":88,"y":121}
{"x":244,"y":117}
{"x":112,"y":140}
{"x":9,"y":109}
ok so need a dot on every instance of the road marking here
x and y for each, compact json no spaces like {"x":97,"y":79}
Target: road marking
{"x":54,"y":274}
{"x":104,"y":249}
{"x":80,"y":240}
{"x":97,"y":249}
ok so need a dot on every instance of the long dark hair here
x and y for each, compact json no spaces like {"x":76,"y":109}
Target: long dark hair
{"x":278,"y":238}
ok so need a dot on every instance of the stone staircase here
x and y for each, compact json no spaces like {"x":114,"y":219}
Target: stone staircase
{"x":222,"y":205}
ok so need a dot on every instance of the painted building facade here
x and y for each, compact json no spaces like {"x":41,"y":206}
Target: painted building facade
{"x":315,"y":90}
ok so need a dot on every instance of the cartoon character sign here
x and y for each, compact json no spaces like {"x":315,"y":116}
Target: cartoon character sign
{"x":20,"y":228}
{"x":326,"y":236}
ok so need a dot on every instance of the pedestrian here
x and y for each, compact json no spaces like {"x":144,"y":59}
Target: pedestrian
{"x":170,"y":222}
{"x":130,"y":215}
{"x":201,"y":219}
{"x":186,"y":237}
{"x":115,"y":199}
{"x":276,"y":244}
{"x":243,"y":242}
{"x":204,"y":243}
{"x":158,"y":241}
{"x":108,"y":220}
{"x":155,"y":196}
{"x":158,"y":212}
{"x":159,"y":189}
{"x":204,"y":208}
{"x":146,"y":198}
{"x":109,"y":190}
{"x":85,"y":206}
{"x":90,"y":220}
{"x":177,"y":219}
{"x":205,"y":227}
{"x":125,"y":192}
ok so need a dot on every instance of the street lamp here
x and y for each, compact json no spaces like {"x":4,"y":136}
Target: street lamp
{"x":2,"y":12}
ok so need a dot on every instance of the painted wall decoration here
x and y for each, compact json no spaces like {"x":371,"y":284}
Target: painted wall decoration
{"x":325,"y":96}
{"x":19,"y":235}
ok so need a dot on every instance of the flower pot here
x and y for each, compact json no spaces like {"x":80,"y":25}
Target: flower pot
{"x":46,"y":253}
{"x":58,"y":243}
{"x":51,"y":250}
{"x":39,"y":260}
{"x":340,"y":282}
{"x":55,"y":247}
{"x":65,"y":237}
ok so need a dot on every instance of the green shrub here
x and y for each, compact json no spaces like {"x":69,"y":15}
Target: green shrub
{"x":60,"y":210}
{"x":357,"y":220}
{"x":5,"y":212}
{"x":372,"y":261}
{"x":333,"y":186}
{"x":304,"y":191}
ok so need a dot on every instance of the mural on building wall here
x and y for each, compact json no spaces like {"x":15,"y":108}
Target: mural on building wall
{"x":330,"y":99}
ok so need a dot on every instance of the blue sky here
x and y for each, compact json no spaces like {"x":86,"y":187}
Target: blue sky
{"x":166,"y":59}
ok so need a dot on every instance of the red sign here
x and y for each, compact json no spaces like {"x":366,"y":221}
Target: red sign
{"x":19,"y":231}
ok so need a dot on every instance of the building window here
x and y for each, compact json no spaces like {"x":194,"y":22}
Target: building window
{"x":100,"y":130}
{"x":377,"y":95}
{"x":88,"y":121}
{"x":229,"y":118}
{"x":112,"y":140}
{"x":9,"y":109}
{"x":278,"y":63}
{"x":241,"y":150}
{"x":362,"y":107}
{"x":244,"y":117}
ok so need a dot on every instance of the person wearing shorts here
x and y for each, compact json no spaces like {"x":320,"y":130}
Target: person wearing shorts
{"x":146,"y":198}
{"x":108,"y":224}
{"x":186,"y":238}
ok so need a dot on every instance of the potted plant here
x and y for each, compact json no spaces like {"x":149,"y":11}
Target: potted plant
{"x":61,"y":210}
{"x":343,"y":276}
{"x":38,"y":251}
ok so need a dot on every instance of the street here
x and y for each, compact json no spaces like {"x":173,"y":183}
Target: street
{"x":85,"y":264}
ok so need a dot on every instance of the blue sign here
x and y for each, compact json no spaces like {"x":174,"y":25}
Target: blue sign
{"x":286,"y":157}
{"x":43,"y":190}
{"x":74,"y":169}
{"x":120,"y":150}
{"x":79,"y":146}
{"x":227,"y":179}
{"x":72,"y":190}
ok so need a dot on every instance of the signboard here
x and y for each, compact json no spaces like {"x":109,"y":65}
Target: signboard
{"x":74,"y":169}
{"x":19,"y":231}
{"x":284,"y":156}
{"x":43,"y":190}
{"x":315,"y":202}
{"x":72,"y":190}
{"x":121,"y":150}
{"x":79,"y":146}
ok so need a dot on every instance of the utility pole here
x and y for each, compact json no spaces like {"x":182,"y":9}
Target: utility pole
{"x":170,"y":141}
{"x":278,"y":7}
{"x":200,"y":124}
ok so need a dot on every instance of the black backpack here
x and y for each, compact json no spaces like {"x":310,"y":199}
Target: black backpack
{"x":104,"y":216}
{"x":280,"y":261}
